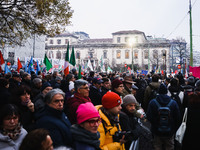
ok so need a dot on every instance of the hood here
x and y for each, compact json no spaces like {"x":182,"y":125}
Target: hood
{"x":163,"y":99}
{"x":155,"y":84}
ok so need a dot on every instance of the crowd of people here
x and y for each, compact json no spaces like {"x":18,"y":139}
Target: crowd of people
{"x":99,"y":111}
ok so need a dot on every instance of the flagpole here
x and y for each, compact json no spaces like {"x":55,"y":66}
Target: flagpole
{"x":191,"y":50}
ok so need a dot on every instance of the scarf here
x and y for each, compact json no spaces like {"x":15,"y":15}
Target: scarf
{"x":84,"y":136}
{"x":14,"y":133}
{"x":112,"y":118}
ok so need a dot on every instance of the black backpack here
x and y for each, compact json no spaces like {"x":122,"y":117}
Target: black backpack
{"x":164,"y":119}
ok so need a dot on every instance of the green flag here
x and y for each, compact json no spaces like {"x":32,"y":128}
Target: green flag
{"x":79,"y":72}
{"x":72,"y":58}
{"x":47,"y":63}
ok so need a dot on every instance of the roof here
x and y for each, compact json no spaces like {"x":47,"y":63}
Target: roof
{"x":104,"y":40}
{"x":66,"y":35}
{"x":128,"y":32}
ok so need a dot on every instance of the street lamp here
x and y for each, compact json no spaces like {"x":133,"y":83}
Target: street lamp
{"x":131,"y":43}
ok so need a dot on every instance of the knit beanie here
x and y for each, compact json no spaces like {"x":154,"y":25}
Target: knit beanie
{"x":162,"y":89}
{"x":45,"y":85}
{"x":110,"y":100}
{"x":86,"y":111}
{"x":129,"y":99}
{"x":116,"y":83}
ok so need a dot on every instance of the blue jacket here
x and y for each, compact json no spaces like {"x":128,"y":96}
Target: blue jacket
{"x":57,"y":123}
{"x":152,"y":113}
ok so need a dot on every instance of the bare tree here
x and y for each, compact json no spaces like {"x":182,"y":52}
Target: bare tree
{"x":20,"y":19}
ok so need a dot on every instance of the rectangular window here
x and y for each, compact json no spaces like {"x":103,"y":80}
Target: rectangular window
{"x":59,"y":41}
{"x":118,"y":39}
{"x":136,"y":55}
{"x":146,"y":54}
{"x":78,"y":55}
{"x":51,"y":42}
{"x":118,"y":55}
{"x":105,"y":54}
{"x":126,"y":39}
{"x":155,"y":54}
{"x":66,"y":41}
{"x":126,"y":54}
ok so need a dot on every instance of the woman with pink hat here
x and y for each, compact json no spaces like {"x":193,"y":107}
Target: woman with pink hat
{"x":84,"y":133}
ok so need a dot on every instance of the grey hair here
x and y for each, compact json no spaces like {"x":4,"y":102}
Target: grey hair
{"x":79,"y":83}
{"x":37,"y":80}
{"x":50,"y":95}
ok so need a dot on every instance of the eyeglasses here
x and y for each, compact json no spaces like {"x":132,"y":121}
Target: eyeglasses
{"x":59,"y":100}
{"x":94,"y":122}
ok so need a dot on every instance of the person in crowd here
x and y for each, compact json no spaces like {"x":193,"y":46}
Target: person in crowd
{"x":54,"y":119}
{"x":75,"y":73}
{"x":5,"y":94}
{"x":39,"y":100}
{"x":14,"y":82}
{"x":106,"y":86}
{"x":154,"y":85}
{"x":57,"y":82}
{"x":161,"y":138}
{"x":174,"y":91}
{"x":128,"y":81}
{"x":67,"y":85}
{"x":110,"y":127}
{"x":167,"y":82}
{"x":128,"y":119}
{"x":134,"y":89}
{"x":53,"y":77}
{"x":189,"y":87}
{"x":11,"y":131}
{"x":36,"y":85}
{"x":190,"y":140}
{"x":38,"y":139}
{"x":117,"y":87}
{"x":95,"y":91}
{"x":26,"y":79}
{"x":141,"y":84}
{"x":80,"y":96}
{"x":22,"y":98}
{"x":84,"y":133}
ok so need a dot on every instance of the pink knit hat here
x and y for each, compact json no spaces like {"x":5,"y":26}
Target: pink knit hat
{"x":86,"y":111}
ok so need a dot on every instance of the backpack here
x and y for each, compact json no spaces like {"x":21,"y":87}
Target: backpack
{"x":164,"y":119}
{"x":154,"y":92}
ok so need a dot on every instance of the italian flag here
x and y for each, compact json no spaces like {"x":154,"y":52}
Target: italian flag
{"x":66,"y":64}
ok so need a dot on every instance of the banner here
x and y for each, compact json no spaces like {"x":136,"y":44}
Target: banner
{"x":195,"y":71}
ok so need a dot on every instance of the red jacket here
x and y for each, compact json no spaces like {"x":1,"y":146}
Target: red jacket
{"x":72,"y":105}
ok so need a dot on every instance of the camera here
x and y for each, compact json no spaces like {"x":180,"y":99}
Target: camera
{"x":119,"y":134}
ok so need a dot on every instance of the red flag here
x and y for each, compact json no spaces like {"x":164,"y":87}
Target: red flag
{"x":162,"y":72}
{"x":195,"y":71}
{"x":19,"y":65}
{"x":1,"y":61}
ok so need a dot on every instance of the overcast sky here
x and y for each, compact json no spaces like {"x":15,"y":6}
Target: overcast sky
{"x":159,"y":18}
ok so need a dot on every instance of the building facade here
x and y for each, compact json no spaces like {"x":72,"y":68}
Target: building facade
{"x":131,"y":47}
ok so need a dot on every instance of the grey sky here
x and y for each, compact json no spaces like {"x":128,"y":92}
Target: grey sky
{"x":159,"y":18}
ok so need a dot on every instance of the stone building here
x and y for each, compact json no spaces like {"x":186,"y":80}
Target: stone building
{"x":125,"y":47}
